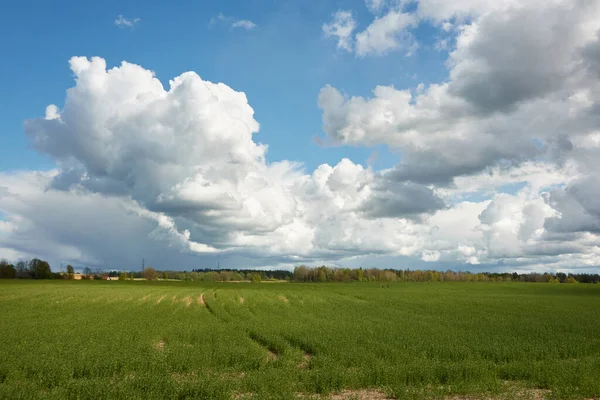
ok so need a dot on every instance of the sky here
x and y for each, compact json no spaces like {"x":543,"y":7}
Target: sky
{"x":267,"y":134}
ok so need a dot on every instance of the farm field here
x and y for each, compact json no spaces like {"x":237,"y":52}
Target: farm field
{"x":177,"y":340}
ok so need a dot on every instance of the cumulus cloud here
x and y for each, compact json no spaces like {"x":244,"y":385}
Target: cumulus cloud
{"x":181,"y":162}
{"x":341,"y":27}
{"x":519,"y":107}
{"x":389,"y":31}
{"x":401,"y":199}
{"x":577,"y":207}
{"x":385,"y":34}
{"x":123,"y":22}
{"x":498,"y":162}
{"x":374,"y":5}
{"x":511,"y":96}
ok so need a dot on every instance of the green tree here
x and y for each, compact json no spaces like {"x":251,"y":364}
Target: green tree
{"x":165,"y":276}
{"x":256,"y":278}
{"x":149,"y":273}
{"x":40,"y":269}
{"x":322,"y":277}
{"x":7,"y":271}
{"x":360,"y":274}
{"x":123,"y":276}
{"x":301,"y":273}
{"x":70,"y":272}
{"x":22,"y":266}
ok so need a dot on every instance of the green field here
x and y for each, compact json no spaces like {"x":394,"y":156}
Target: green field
{"x":176,"y":340}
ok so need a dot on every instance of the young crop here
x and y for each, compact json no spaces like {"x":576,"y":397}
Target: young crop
{"x":172,"y":340}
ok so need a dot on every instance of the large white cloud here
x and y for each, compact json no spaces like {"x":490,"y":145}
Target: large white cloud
{"x":521,"y":85}
{"x":498,"y":162}
{"x":519,"y":107}
{"x":183,"y":160}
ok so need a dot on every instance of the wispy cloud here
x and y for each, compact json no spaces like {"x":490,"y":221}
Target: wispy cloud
{"x":341,"y":27}
{"x":231,"y":22}
{"x":123,"y":22}
{"x":244,"y":23}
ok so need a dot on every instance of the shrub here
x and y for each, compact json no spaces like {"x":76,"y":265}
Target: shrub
{"x":149,"y":273}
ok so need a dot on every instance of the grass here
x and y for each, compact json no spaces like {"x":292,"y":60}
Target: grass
{"x":177,"y":340}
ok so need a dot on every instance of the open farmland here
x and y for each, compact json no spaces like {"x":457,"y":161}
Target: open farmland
{"x":175,"y":340}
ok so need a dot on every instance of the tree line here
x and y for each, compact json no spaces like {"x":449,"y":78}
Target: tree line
{"x":40,"y":269}
{"x":326,"y":274}
{"x":34,"y":269}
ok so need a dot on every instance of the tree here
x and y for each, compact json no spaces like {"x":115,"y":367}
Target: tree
{"x":21,"y":266}
{"x":301,"y":273}
{"x":40,"y":269}
{"x":165,"y":276}
{"x":7,"y":271}
{"x":149,"y":273}
{"x":87,"y":272}
{"x":256,"y":278}
{"x":322,"y":277}
{"x":70,"y":272}
{"x":360,"y":275}
{"x":571,"y":279}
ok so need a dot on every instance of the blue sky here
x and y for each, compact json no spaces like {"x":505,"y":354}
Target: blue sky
{"x":281,"y":64}
{"x":489,"y":161}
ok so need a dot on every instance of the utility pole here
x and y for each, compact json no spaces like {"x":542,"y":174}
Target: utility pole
{"x":143,"y":267}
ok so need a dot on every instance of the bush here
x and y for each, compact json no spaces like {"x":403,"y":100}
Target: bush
{"x":149,"y":273}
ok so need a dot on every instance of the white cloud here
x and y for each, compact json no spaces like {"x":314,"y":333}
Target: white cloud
{"x":341,"y":27}
{"x":244,"y":23}
{"x":518,"y":108}
{"x":430,"y":256}
{"x":123,"y":22}
{"x":184,"y":161}
{"x":375,"y":6}
{"x":232,"y":22}
{"x":385,"y":34}
{"x":509,"y":183}
{"x":512,"y":96}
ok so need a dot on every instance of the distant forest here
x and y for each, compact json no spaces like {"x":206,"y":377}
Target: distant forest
{"x":39,"y":269}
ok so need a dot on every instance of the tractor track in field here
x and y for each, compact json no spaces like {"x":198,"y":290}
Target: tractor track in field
{"x":212,"y":311}
{"x":272,"y":354}
{"x":308,"y":352}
